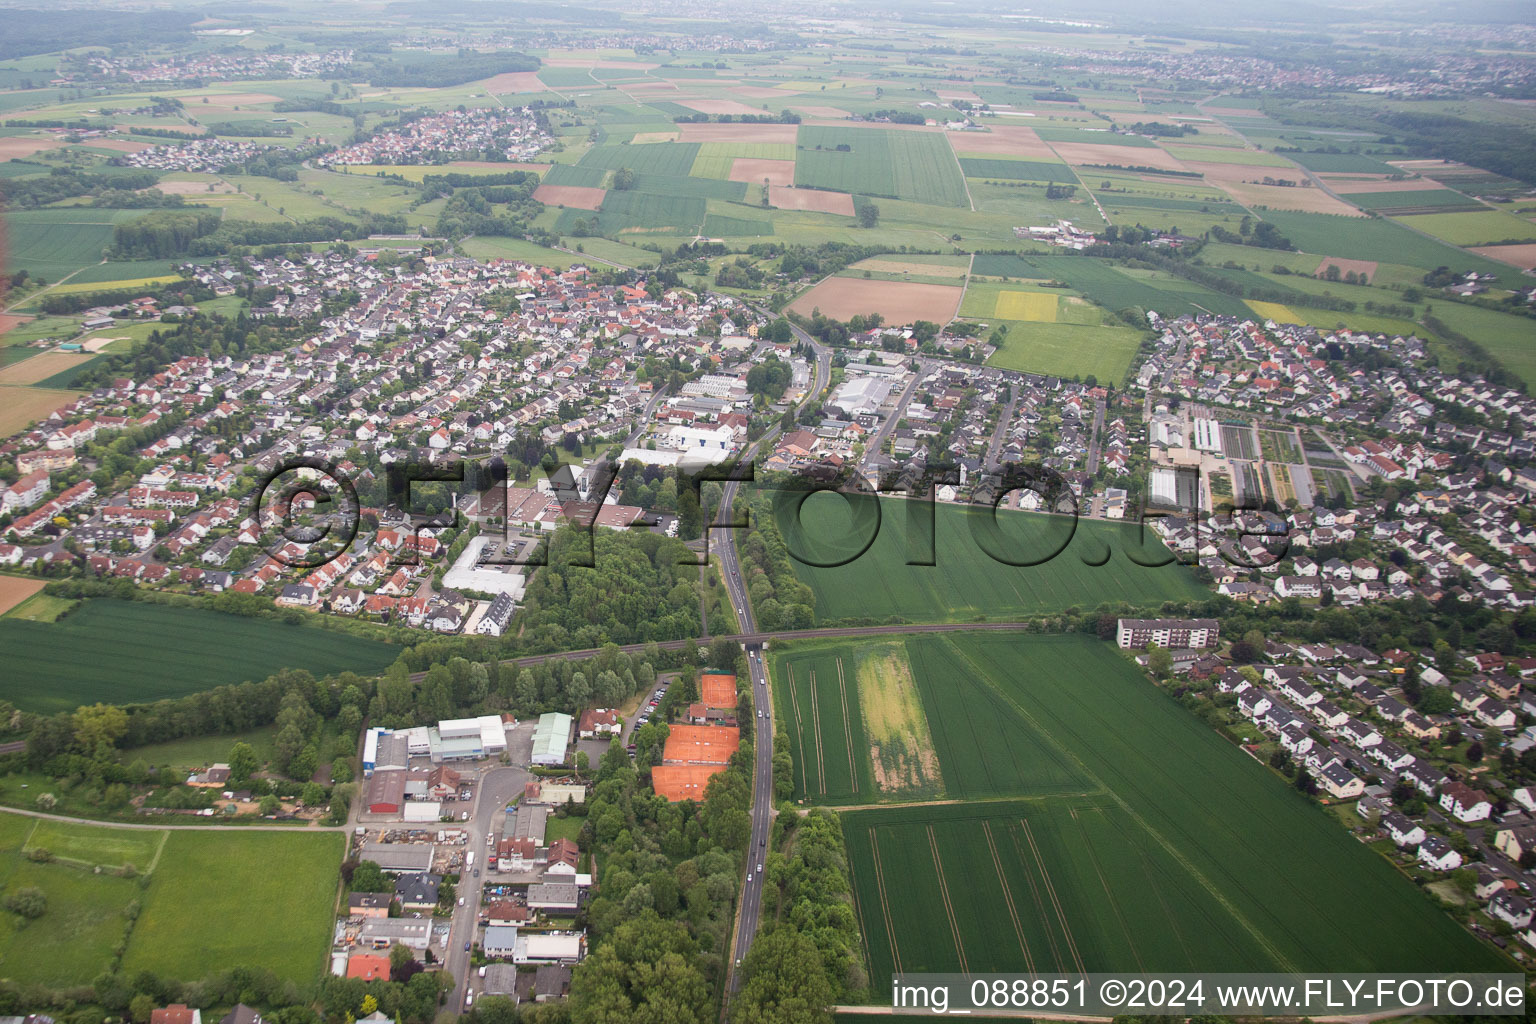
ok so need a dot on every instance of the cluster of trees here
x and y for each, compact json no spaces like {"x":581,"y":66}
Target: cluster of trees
{"x":459,"y":684}
{"x":502,"y":210}
{"x":1167,"y":131}
{"x":897,"y":116}
{"x":625,"y":587}
{"x":740,"y":273}
{"x":669,"y":872}
{"x":158,"y":236}
{"x":120,"y":191}
{"x":1262,"y":235}
{"x":769,"y":378}
{"x":807,"y":957}
{"x":779,"y":598}
{"x":412,"y":995}
{"x":234,"y":234}
{"x":797,"y":261}
{"x":46,"y":29}
{"x":782,"y":117}
{"x":434,"y":71}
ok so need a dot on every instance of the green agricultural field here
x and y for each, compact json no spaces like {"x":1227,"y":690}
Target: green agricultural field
{"x":1004,"y":265}
{"x":485,"y":247}
{"x":702,"y":188}
{"x":86,"y":919}
{"x":1178,"y":852}
{"x":639,"y":211}
{"x":1113,"y":288}
{"x":1428,"y":199}
{"x":1225,"y":155}
{"x":966,"y":583}
{"x":747,"y":150}
{"x":919,"y":166}
{"x":1343,"y":163}
{"x":1017,"y":170}
{"x":1483,"y":227}
{"x":574,"y":174}
{"x":673,"y":158}
{"x":125,"y":652}
{"x":1507,"y":338}
{"x":720,"y":224}
{"x":816,"y":697}
{"x":56,"y":242}
{"x":874,"y":722}
{"x":206,"y":880}
{"x":1377,"y":239}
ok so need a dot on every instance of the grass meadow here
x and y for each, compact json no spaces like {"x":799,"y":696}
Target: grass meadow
{"x":280,"y":887}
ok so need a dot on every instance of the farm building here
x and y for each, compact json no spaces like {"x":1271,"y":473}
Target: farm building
{"x":718,"y":690}
{"x":676,"y":782}
{"x":551,"y":737}
{"x":701,"y":744}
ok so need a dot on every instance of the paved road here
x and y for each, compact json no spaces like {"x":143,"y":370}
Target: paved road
{"x":498,"y":787}
{"x":1091,"y":464}
{"x":877,"y":442}
{"x":749,"y":910}
{"x":158,"y":826}
{"x":1001,"y":433}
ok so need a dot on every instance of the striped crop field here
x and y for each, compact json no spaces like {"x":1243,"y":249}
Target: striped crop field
{"x":1175,"y":851}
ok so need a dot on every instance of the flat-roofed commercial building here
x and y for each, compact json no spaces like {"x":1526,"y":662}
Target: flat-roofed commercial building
{"x":399,"y":858}
{"x":551,"y":738}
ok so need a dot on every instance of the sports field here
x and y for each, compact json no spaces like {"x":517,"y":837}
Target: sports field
{"x":1178,"y":853}
{"x":966,"y":583}
{"x":1068,"y":350}
{"x":206,"y":880}
{"x":133,"y":651}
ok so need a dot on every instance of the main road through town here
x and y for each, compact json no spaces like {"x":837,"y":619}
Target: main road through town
{"x":749,"y":910}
